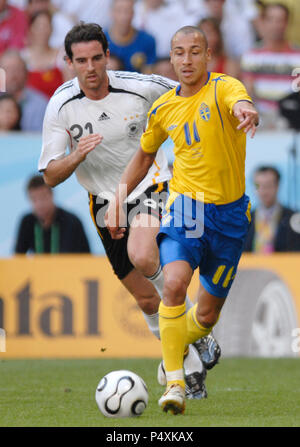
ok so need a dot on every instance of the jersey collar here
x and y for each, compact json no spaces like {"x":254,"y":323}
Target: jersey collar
{"x":178,"y":88}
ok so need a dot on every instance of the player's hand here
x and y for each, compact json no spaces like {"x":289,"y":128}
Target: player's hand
{"x":115,"y":220}
{"x":87,"y":144}
{"x":247,"y":115}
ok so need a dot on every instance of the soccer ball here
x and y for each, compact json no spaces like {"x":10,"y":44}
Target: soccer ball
{"x":121,"y":394}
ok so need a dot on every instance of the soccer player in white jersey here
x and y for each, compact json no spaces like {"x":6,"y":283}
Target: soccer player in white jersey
{"x":100,"y":115}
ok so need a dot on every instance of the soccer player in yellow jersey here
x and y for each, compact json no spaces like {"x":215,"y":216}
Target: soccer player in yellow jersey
{"x":207,"y":215}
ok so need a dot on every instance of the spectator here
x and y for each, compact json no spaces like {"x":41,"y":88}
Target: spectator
{"x":267,"y":69}
{"x":163,"y":67}
{"x":293,"y":31}
{"x":272,"y":228}
{"x":91,"y":11}
{"x":42,"y":61}
{"x":220,"y":62}
{"x":10,"y":113}
{"x":33,"y":104}
{"x":134,"y":47}
{"x":49,"y":229}
{"x":61,"y":22}
{"x":13,"y":27}
{"x":235,"y":23}
{"x":161,"y":20}
{"x":114,"y":63}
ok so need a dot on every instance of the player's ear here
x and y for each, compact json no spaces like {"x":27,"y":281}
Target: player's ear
{"x":208,"y":54}
{"x":68,"y":61}
{"x":171,"y":57}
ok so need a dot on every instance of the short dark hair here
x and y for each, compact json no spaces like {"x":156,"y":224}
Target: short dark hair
{"x":84,"y":32}
{"x":263,"y":169}
{"x":36,"y":181}
{"x":189,"y":29}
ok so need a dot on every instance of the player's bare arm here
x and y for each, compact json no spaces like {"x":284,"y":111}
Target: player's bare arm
{"x":132,"y":176}
{"x":58,"y":171}
{"x":247,"y":115}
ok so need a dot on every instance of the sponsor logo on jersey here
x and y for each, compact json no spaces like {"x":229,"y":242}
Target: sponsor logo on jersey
{"x":172,"y":127}
{"x":103,"y":117}
{"x":204,"y":111}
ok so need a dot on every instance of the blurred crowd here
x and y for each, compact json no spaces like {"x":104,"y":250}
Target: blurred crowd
{"x":255,"y":41}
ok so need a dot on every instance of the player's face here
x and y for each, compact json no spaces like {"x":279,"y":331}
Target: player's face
{"x":189,"y":57}
{"x":89,"y":64}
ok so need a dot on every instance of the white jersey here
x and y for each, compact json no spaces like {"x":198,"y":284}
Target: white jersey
{"x":120,"y":118}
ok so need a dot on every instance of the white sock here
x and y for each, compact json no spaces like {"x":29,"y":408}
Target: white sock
{"x":158,"y":281}
{"x":153,"y":324}
{"x":192,"y":361}
{"x":175,"y":375}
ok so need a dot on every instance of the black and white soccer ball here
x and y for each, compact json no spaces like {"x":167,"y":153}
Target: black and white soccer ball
{"x":121,"y":394}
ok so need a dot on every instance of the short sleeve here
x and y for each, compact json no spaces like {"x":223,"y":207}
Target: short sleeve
{"x":233,"y":91}
{"x":154,"y":135}
{"x":55,"y":136}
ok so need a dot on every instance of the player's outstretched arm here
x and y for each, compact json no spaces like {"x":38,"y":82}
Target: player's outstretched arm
{"x":247,"y":115}
{"x":58,"y":171}
{"x":136,"y":170}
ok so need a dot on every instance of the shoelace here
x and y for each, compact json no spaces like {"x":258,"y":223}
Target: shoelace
{"x":177,"y":390}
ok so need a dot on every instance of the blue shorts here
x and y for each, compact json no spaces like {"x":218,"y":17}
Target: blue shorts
{"x":207,"y":236}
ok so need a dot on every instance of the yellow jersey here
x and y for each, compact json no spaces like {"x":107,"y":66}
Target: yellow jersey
{"x":209,"y":150}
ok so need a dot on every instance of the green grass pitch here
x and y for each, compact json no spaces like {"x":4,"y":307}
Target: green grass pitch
{"x":242,"y":392}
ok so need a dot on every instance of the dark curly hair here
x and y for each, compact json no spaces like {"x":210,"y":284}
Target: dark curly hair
{"x":84,"y":32}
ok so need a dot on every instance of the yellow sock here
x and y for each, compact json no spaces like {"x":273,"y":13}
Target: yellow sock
{"x":194,"y":329}
{"x":172,"y":327}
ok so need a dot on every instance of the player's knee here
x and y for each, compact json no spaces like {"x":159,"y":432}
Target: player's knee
{"x":142,"y":261}
{"x":174,"y":291}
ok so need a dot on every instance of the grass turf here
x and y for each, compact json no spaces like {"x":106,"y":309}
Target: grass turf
{"x":242,"y":392}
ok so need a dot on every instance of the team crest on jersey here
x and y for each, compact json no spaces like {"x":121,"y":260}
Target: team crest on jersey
{"x":133,"y":128}
{"x":204,"y":111}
